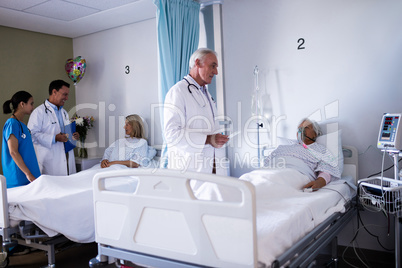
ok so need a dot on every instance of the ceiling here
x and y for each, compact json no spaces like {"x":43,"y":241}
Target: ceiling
{"x":73,"y":18}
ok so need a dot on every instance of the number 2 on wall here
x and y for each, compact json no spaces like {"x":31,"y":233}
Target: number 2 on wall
{"x":301,"y":43}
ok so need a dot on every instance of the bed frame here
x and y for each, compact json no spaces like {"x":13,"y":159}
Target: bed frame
{"x":156,"y":226}
{"x":158,"y":192}
{"x":26,"y":233}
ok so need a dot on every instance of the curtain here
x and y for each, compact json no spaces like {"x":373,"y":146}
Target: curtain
{"x":178,"y":35}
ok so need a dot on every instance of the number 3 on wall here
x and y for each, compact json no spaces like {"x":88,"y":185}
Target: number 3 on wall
{"x":127,"y":69}
{"x":301,"y":43}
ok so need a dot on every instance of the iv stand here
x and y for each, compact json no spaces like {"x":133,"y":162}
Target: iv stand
{"x":398,"y":227}
{"x":257,"y":89}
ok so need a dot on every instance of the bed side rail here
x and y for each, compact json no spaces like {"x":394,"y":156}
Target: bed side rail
{"x":164,"y":218}
{"x":305,"y":251}
{"x":4,"y":218}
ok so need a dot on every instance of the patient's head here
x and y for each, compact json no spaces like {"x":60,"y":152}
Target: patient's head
{"x":134,"y":126}
{"x":309,"y":130}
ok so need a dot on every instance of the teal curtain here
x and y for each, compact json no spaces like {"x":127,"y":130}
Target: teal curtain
{"x":178,"y":35}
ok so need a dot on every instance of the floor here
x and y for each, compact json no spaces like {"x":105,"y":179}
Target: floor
{"x":78,"y":256}
{"x":373,"y":259}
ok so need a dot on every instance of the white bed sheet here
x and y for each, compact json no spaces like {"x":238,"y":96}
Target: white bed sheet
{"x":285,"y":213}
{"x":60,"y":204}
{"x":64,"y":204}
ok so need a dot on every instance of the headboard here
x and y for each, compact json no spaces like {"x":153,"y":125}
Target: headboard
{"x":351,"y":162}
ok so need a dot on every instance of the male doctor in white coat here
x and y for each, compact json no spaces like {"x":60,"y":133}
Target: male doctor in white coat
{"x":47,"y":123}
{"x":191,"y":131}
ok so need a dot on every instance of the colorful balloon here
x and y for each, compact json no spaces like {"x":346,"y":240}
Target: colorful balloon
{"x":75,"y":69}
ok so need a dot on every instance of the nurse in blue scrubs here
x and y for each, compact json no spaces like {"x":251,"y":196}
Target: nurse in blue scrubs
{"x":18,"y":158}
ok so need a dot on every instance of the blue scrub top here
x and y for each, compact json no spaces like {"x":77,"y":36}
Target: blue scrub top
{"x":14,"y":176}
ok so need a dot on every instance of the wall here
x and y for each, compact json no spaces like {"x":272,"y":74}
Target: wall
{"x":349,"y":73}
{"x":30,"y":61}
{"x":121,"y":79}
{"x":350,"y":61}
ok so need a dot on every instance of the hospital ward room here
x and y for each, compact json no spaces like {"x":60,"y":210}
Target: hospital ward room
{"x":201,"y":133}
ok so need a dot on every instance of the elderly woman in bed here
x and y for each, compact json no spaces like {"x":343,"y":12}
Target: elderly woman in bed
{"x":132,"y":151}
{"x":308,"y":157}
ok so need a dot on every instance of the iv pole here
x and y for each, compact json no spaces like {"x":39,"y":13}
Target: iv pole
{"x":257,"y":89}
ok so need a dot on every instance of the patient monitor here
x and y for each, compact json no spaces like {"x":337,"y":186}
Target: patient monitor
{"x":390,"y":136}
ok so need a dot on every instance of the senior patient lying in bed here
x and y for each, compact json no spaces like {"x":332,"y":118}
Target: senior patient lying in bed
{"x":132,"y":151}
{"x":309,"y":160}
{"x":306,"y":156}
{"x":285,"y":213}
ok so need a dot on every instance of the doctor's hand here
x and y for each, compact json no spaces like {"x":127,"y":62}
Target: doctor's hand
{"x":217,"y":140}
{"x":62,"y":137}
{"x":76,"y":136}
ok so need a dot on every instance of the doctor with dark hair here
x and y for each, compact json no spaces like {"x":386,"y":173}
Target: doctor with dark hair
{"x":47,"y":123}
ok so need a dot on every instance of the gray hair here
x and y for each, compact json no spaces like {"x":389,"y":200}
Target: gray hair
{"x":316,"y":126}
{"x":200,"y":54}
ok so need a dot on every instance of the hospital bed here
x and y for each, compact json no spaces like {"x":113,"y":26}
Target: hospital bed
{"x":24,"y":233}
{"x":49,"y":213}
{"x":164,"y":223}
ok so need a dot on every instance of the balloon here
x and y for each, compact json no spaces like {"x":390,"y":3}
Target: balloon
{"x":75,"y":69}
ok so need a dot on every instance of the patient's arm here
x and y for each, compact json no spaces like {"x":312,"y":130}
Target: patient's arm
{"x":104,"y":163}
{"x":317,"y":184}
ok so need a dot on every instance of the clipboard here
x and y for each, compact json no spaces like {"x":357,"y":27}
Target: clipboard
{"x":71,"y":143}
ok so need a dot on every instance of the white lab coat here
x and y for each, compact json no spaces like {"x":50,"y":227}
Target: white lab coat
{"x":44,"y":126}
{"x":186,"y":126}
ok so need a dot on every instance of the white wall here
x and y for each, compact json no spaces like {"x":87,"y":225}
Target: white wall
{"x":351,"y":63}
{"x":107,"y":92}
{"x":351,"y":59}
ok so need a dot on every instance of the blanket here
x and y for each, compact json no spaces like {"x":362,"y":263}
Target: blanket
{"x":59,"y":204}
{"x":285,"y":213}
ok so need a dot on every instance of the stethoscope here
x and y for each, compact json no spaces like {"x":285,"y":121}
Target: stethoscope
{"x":198,"y":93}
{"x":23,"y":135}
{"x":48,"y":110}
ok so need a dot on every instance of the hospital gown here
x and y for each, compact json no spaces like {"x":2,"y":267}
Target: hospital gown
{"x":310,"y":160}
{"x":134,"y":149}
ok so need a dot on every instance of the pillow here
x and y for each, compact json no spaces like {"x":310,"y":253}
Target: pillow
{"x":333,"y":142}
{"x":284,"y":141}
{"x":267,"y":150}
